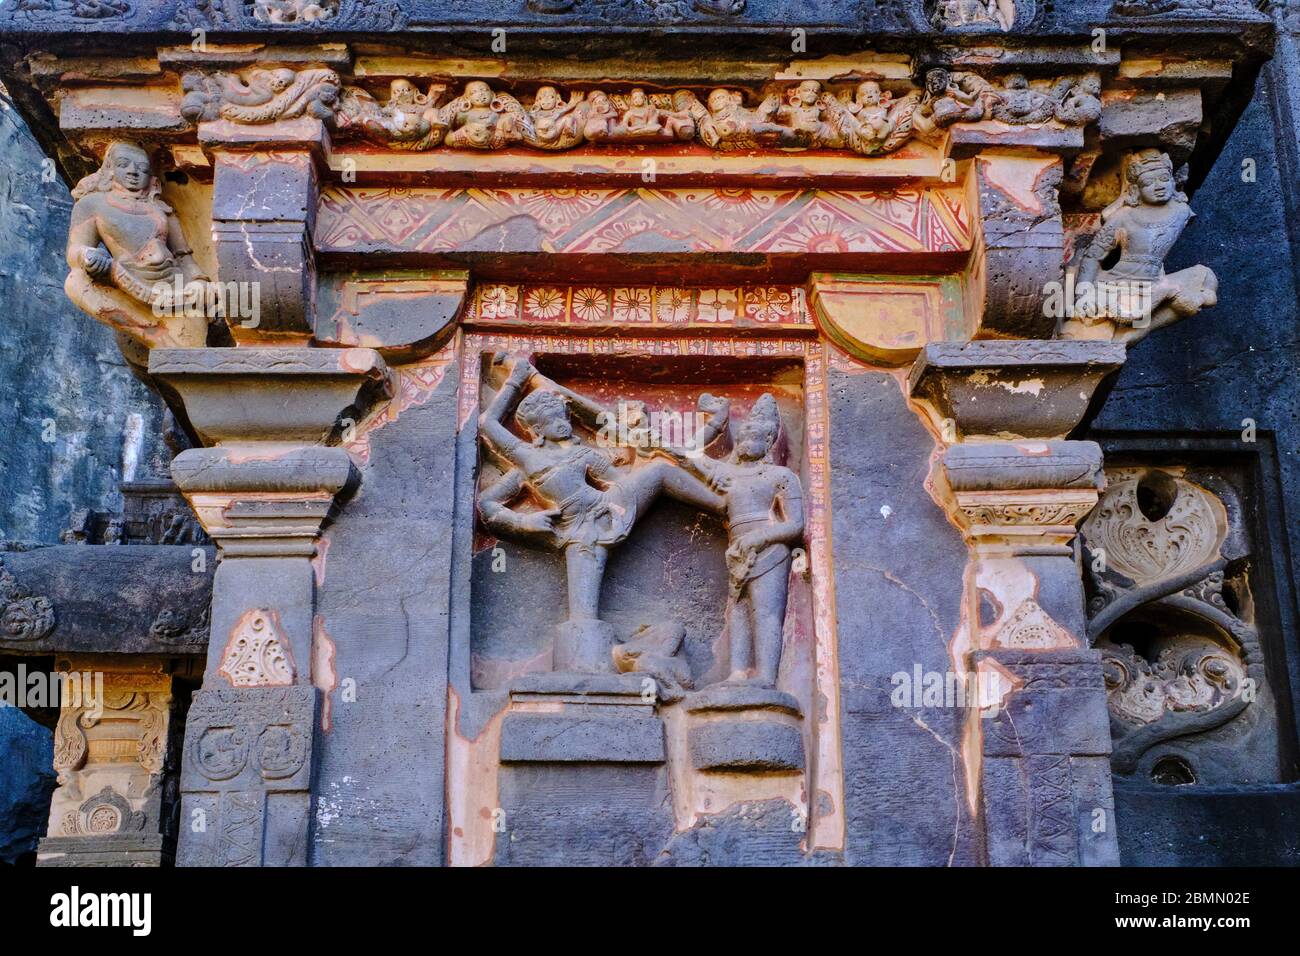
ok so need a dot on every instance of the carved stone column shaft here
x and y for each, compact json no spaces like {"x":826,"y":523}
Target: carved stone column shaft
{"x":263,"y":492}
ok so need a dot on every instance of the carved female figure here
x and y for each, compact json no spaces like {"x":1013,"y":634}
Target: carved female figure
{"x":126,"y":249}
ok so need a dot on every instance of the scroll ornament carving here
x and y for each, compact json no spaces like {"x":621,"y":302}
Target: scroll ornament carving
{"x":1030,"y":627}
{"x":1187,"y":537}
{"x":1193,"y":674}
{"x":69,"y":743}
{"x":141,"y":715}
{"x":23,"y":616}
{"x":1051,"y":513}
{"x":106,"y":812}
{"x":256,"y":655}
{"x":1163,"y":570}
{"x":262,"y":96}
{"x":864,"y":119}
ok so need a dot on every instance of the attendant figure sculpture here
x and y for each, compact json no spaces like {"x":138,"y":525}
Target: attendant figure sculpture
{"x":764,"y":509}
{"x":553,"y":123}
{"x":481,"y":119}
{"x":1143,"y":225}
{"x":727,"y":124}
{"x":126,"y":251}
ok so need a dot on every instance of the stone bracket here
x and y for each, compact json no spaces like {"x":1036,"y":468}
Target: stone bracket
{"x":263,"y":214}
{"x":1006,"y":389}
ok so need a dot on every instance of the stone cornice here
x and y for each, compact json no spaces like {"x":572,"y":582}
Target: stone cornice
{"x":385,"y":114}
{"x":901,"y":19}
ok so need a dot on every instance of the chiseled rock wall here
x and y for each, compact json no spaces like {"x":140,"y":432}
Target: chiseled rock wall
{"x":26,"y":752}
{"x":56,"y":365}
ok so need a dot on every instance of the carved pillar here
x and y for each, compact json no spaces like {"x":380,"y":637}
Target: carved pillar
{"x":263,"y":491}
{"x":1037,"y":748}
{"x":1044,"y":769}
{"x":265,"y":189}
{"x":1024,"y":239}
{"x":263,"y":212}
{"x":115,"y":754}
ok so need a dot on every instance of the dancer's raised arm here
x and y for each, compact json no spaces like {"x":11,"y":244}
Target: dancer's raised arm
{"x":491,"y":423}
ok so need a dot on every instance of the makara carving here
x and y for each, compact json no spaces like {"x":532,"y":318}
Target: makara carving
{"x":262,"y":96}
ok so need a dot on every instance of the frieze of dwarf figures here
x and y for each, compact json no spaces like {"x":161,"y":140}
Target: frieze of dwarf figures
{"x":863,"y":118}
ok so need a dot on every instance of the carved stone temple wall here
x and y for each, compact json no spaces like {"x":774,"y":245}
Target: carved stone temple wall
{"x":674,"y":433}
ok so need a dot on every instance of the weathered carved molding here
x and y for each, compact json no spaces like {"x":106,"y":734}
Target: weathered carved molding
{"x":289,"y":15}
{"x":24,"y":616}
{"x":1004,"y":389}
{"x":105,"y":582}
{"x":84,"y":10}
{"x":1184,"y":9}
{"x":243,"y":746}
